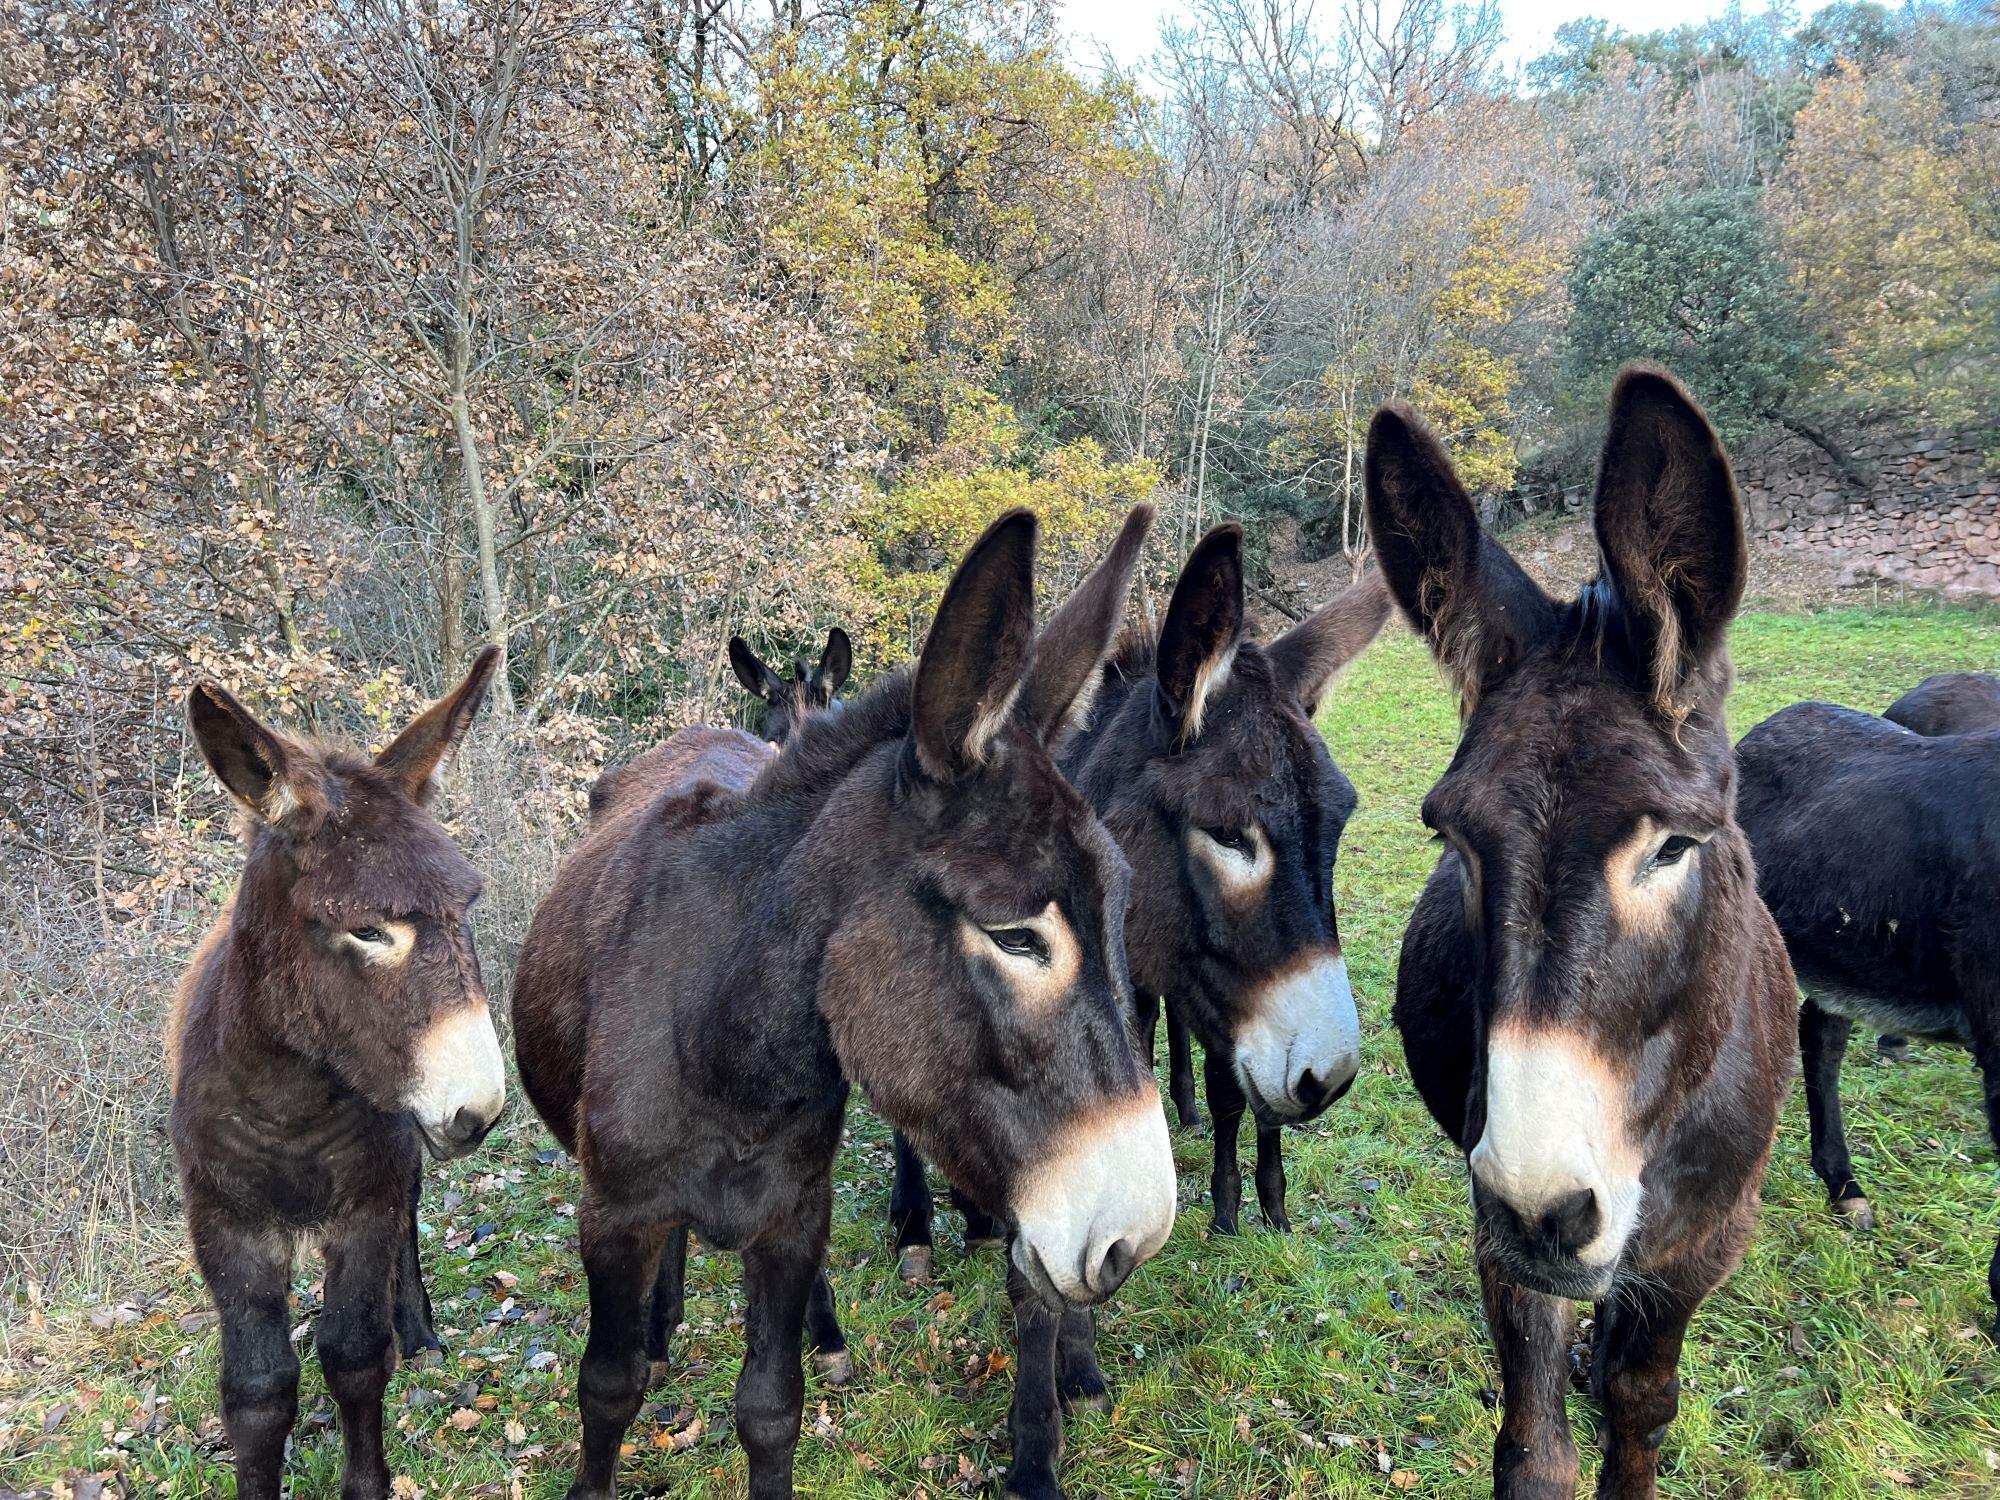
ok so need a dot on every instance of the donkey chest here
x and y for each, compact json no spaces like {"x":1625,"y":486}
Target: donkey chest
{"x":303,"y":1171}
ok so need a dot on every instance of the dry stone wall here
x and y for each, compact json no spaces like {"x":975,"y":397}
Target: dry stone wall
{"x":1929,"y":521}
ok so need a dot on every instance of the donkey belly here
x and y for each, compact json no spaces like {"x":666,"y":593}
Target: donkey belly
{"x":1884,"y":999}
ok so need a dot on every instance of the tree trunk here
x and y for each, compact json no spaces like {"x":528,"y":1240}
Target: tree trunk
{"x":492,"y":596}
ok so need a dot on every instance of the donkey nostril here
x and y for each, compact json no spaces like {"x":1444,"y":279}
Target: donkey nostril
{"x":1571,"y":1222}
{"x":466,"y":1125}
{"x":1309,"y":1090}
{"x":1119,"y":1262}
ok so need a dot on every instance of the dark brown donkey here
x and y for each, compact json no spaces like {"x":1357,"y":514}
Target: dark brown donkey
{"x":1879,"y":852}
{"x":910,"y":899}
{"x":1594,"y":1004}
{"x":811,"y":689}
{"x":331,"y":1025}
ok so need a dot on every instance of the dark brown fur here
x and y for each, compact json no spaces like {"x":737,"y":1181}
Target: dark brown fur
{"x":291,"y":1057}
{"x":1582,"y":719}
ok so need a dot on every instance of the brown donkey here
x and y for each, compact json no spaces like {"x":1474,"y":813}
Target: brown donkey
{"x":910,"y":898}
{"x":811,"y":690}
{"x":331,"y":1025}
{"x":1594,"y":1004}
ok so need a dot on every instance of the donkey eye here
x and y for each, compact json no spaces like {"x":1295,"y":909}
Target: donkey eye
{"x":368,"y":935}
{"x":1235,"y":840}
{"x":1674,"y":849}
{"x":1022,"y":942}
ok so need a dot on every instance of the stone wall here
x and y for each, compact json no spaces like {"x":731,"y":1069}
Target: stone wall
{"x":1929,"y":521}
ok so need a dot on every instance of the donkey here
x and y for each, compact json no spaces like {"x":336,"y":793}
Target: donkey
{"x":909,"y":898}
{"x":1878,"y":850}
{"x":1594,"y":1005}
{"x":811,"y":689}
{"x":1949,"y":703}
{"x":331,"y":1025}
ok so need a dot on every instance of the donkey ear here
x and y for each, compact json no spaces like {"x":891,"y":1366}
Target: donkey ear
{"x":1670,"y":528}
{"x":1306,"y":658}
{"x":977,"y":653}
{"x":758,"y":680}
{"x":835,"y":662}
{"x":274,"y":778}
{"x":1069,"y":652}
{"x":1203,"y":625}
{"x":1467,"y":598}
{"x":414,"y":756}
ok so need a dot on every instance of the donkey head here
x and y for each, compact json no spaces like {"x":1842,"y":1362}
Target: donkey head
{"x":974,"y":981}
{"x":1223,"y":796}
{"x":810,"y":690}
{"x":1588,"y":815}
{"x":357,"y":906}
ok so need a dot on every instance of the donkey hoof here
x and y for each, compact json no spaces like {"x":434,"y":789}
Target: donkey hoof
{"x":1857,"y":1210}
{"x":1223,"y":1224}
{"x":983,"y":1242}
{"x":1032,"y":1489}
{"x":836,"y":1368}
{"x":1278,"y":1223}
{"x":657,"y":1371}
{"x":424,"y":1357}
{"x":1893,"y":1049}
{"x":914,"y":1264}
{"x":1086,"y":1392}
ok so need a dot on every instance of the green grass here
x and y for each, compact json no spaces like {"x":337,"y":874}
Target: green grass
{"x":1833,"y":1364}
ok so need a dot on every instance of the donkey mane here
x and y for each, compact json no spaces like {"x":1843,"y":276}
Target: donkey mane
{"x":829,"y":746}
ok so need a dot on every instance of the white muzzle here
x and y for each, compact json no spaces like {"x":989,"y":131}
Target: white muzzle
{"x":1302,"y":1046}
{"x":460,"y":1081}
{"x":1101,"y":1206}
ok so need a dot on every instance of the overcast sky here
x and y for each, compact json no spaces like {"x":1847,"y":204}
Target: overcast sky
{"x":1128,"y":28}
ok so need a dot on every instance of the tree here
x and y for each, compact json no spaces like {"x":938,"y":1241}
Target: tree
{"x":1695,"y":285}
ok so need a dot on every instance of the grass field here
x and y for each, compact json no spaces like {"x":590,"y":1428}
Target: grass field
{"x":1347,"y":1359}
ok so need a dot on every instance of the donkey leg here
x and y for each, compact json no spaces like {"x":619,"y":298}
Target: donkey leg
{"x":1534,"y":1456}
{"x":1822,"y":1044}
{"x":982,"y":1230}
{"x":1034,"y":1418}
{"x":249,"y":1275}
{"x":1633,"y":1375}
{"x":667,"y":1309}
{"x":1146,"y":1027}
{"x":910,"y":1213}
{"x":823,"y":1335}
{"x":416,"y":1333}
{"x":356,"y":1342}
{"x":1225,"y":1181}
{"x":1271,"y":1179}
{"x":1079,"y":1379}
{"x":620,"y":1260}
{"x":1180,"y":1069}
{"x":778,"y":1282}
{"x":1980,"y":990}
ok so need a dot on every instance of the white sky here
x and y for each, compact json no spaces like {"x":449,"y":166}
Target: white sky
{"x":1128,"y":28}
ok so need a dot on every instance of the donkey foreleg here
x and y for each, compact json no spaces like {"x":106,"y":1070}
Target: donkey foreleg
{"x":1633,"y":1374}
{"x":1034,"y":1418}
{"x":1079,"y":1380}
{"x":1180,"y":1068}
{"x":620,"y":1260}
{"x":1978,"y":978}
{"x":778,"y":1282}
{"x":910,"y":1213}
{"x":667,"y":1309}
{"x":356,"y":1341}
{"x":1271,"y":1179}
{"x":1822,"y":1044}
{"x":1225,"y":1104}
{"x":249,"y":1275}
{"x":415,"y":1330}
{"x":1146,"y":1028}
{"x":823,"y":1335}
{"x":1534,"y":1456}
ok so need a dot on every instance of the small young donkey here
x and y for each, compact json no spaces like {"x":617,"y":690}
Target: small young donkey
{"x":912,"y":899}
{"x":1594,"y":1004}
{"x":331,"y":1025}
{"x":811,"y":689}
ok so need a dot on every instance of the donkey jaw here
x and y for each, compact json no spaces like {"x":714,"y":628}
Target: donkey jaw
{"x":459,"y":1081}
{"x":1301,"y":1048}
{"x":1100,"y":1205}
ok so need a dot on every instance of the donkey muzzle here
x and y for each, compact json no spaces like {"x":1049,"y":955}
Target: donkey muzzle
{"x":1099,"y":1206}
{"x":1300,"y":1049}
{"x":458,"y":1083}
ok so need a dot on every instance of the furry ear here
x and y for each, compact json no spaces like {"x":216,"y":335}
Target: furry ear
{"x":1203,"y":626}
{"x":1670,"y":528}
{"x":835,"y":662}
{"x":273,"y":778}
{"x":758,"y":680}
{"x":414,"y":756}
{"x":1070,"y":651}
{"x":977,"y":653}
{"x":1306,"y":658}
{"x":1466,"y":597}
